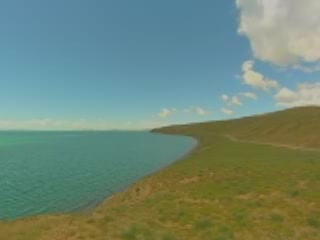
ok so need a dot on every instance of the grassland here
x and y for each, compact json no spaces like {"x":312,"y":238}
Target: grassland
{"x":237,"y":184}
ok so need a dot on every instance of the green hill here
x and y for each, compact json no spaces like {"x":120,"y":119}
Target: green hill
{"x":238,"y":184}
{"x":296,"y":127}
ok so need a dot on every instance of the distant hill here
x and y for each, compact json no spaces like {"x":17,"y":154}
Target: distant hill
{"x":298,"y":127}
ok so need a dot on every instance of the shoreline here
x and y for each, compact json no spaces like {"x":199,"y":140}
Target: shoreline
{"x":220,"y":188}
{"x":91,"y":208}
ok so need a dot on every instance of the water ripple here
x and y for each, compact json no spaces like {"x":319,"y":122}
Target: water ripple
{"x":49,"y":172}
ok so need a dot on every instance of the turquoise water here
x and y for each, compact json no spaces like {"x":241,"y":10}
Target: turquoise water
{"x":53,"y":172}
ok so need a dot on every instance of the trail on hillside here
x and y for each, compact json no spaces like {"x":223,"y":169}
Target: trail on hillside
{"x":232,"y":138}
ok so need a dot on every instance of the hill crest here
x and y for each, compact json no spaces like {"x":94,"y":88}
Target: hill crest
{"x":296,"y":127}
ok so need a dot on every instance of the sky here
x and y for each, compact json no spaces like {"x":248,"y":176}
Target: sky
{"x":123,"y":64}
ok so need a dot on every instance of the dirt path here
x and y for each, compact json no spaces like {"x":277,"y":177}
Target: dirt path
{"x":232,"y":138}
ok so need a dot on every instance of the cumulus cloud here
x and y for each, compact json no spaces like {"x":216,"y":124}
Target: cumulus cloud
{"x":225,"y":97}
{"x":282,"y":32}
{"x":305,"y":94}
{"x":196,"y":110}
{"x":231,"y":100}
{"x":236,"y":101}
{"x":250,"y":95}
{"x":255,"y":79}
{"x":227,"y":111}
{"x":167,"y":112}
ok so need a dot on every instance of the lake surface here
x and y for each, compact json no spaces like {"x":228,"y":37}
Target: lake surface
{"x":51,"y":172}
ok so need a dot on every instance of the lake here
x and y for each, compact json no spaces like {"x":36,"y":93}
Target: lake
{"x":62,"y":172}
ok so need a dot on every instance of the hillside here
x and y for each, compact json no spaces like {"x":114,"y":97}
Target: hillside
{"x":296,"y":127}
{"x":231,"y":187}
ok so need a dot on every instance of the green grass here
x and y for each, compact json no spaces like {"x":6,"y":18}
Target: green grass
{"x":314,"y":221}
{"x":223,"y":190}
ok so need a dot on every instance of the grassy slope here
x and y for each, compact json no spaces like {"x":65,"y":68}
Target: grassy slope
{"x":223,"y":190}
{"x":295,"y":127}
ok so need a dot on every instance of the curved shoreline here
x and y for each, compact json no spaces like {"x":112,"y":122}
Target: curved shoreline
{"x":220,"y":189}
{"x":91,"y":207}
{"x":127,"y":188}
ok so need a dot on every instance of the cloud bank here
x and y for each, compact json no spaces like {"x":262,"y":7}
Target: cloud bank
{"x":47,"y":124}
{"x":56,"y":124}
{"x":305,"y":94}
{"x":282,"y":32}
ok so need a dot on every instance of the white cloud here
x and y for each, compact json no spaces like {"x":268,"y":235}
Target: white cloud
{"x":225,"y":97}
{"x":202,"y":112}
{"x":56,"y":124}
{"x":231,"y":100}
{"x":236,"y":101}
{"x":282,"y":32}
{"x":286,"y":95}
{"x":166,"y":112}
{"x":80,"y":124}
{"x":255,"y":79}
{"x":307,"y":69}
{"x":305,"y":94}
{"x":227,"y":111}
{"x":250,"y":95}
{"x":198,"y":110}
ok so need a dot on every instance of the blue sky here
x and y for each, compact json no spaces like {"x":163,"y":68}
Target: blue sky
{"x":123,"y":64}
